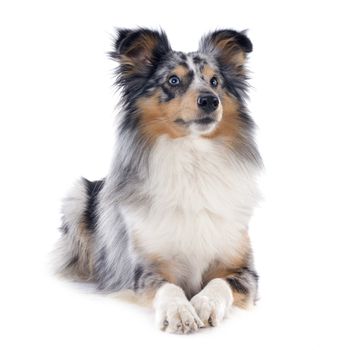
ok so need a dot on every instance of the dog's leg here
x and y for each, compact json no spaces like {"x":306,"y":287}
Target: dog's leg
{"x":213,"y":302}
{"x":174,"y":313}
{"x":216,"y":299}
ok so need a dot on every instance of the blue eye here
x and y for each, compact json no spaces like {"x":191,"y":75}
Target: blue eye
{"x":174,"y":80}
{"x":214,"y":82}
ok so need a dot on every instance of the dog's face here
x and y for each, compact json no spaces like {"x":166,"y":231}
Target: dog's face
{"x":179,"y":94}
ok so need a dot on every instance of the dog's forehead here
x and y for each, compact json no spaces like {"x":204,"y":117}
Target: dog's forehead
{"x":193,"y":61}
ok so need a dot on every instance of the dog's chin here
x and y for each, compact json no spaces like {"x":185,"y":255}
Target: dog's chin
{"x":200,"y":126}
{"x":203,"y":126}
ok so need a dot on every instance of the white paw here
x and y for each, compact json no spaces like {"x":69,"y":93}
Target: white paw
{"x":213,"y":302}
{"x":208,"y":310}
{"x":174,"y":313}
{"x":178,"y":316}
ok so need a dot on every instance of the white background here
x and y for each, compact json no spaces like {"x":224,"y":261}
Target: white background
{"x":57,"y":123}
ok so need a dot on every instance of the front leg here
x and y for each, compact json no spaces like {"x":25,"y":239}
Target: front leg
{"x":174,"y":313}
{"x":215,"y":300}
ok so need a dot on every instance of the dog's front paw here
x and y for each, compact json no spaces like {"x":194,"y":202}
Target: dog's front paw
{"x":174,"y":313}
{"x":209,"y":311}
{"x":213,"y":302}
{"x":178,"y":316}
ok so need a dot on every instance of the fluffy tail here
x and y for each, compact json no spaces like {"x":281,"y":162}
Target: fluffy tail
{"x":73,"y":253}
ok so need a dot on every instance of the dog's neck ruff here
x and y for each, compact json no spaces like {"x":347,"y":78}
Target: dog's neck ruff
{"x":200,"y":199}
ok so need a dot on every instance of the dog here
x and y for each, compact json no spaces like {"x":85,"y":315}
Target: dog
{"x":170,"y":220}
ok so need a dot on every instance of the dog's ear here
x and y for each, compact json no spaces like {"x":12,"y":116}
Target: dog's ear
{"x":229,"y":47}
{"x":138,"y":51}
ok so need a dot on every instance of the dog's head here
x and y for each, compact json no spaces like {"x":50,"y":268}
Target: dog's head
{"x":176,"y":93}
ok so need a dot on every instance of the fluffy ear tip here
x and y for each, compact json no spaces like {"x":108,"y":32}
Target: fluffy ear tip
{"x":124,"y":37}
{"x":244,"y":41}
{"x":240,"y":37}
{"x":118,"y":38}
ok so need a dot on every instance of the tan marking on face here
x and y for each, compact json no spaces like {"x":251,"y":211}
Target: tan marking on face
{"x":158,"y":118}
{"x":229,"y":126}
{"x":208,"y":72}
{"x":180,"y":71}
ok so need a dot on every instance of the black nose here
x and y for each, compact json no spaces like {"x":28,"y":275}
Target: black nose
{"x":208,"y":102}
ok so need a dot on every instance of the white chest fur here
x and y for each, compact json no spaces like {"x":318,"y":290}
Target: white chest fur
{"x":201,"y":200}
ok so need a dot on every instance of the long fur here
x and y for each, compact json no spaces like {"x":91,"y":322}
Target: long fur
{"x":175,"y":205}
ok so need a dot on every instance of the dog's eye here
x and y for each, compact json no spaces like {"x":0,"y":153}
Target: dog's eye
{"x":214,"y":82}
{"x":174,"y":80}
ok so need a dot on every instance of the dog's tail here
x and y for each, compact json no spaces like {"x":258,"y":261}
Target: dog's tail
{"x":73,"y":256}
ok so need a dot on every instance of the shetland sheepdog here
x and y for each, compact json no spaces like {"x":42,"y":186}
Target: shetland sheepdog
{"x":170,"y":220}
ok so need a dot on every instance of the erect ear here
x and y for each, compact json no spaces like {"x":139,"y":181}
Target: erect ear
{"x":228,"y":46}
{"x":139,"y":50}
